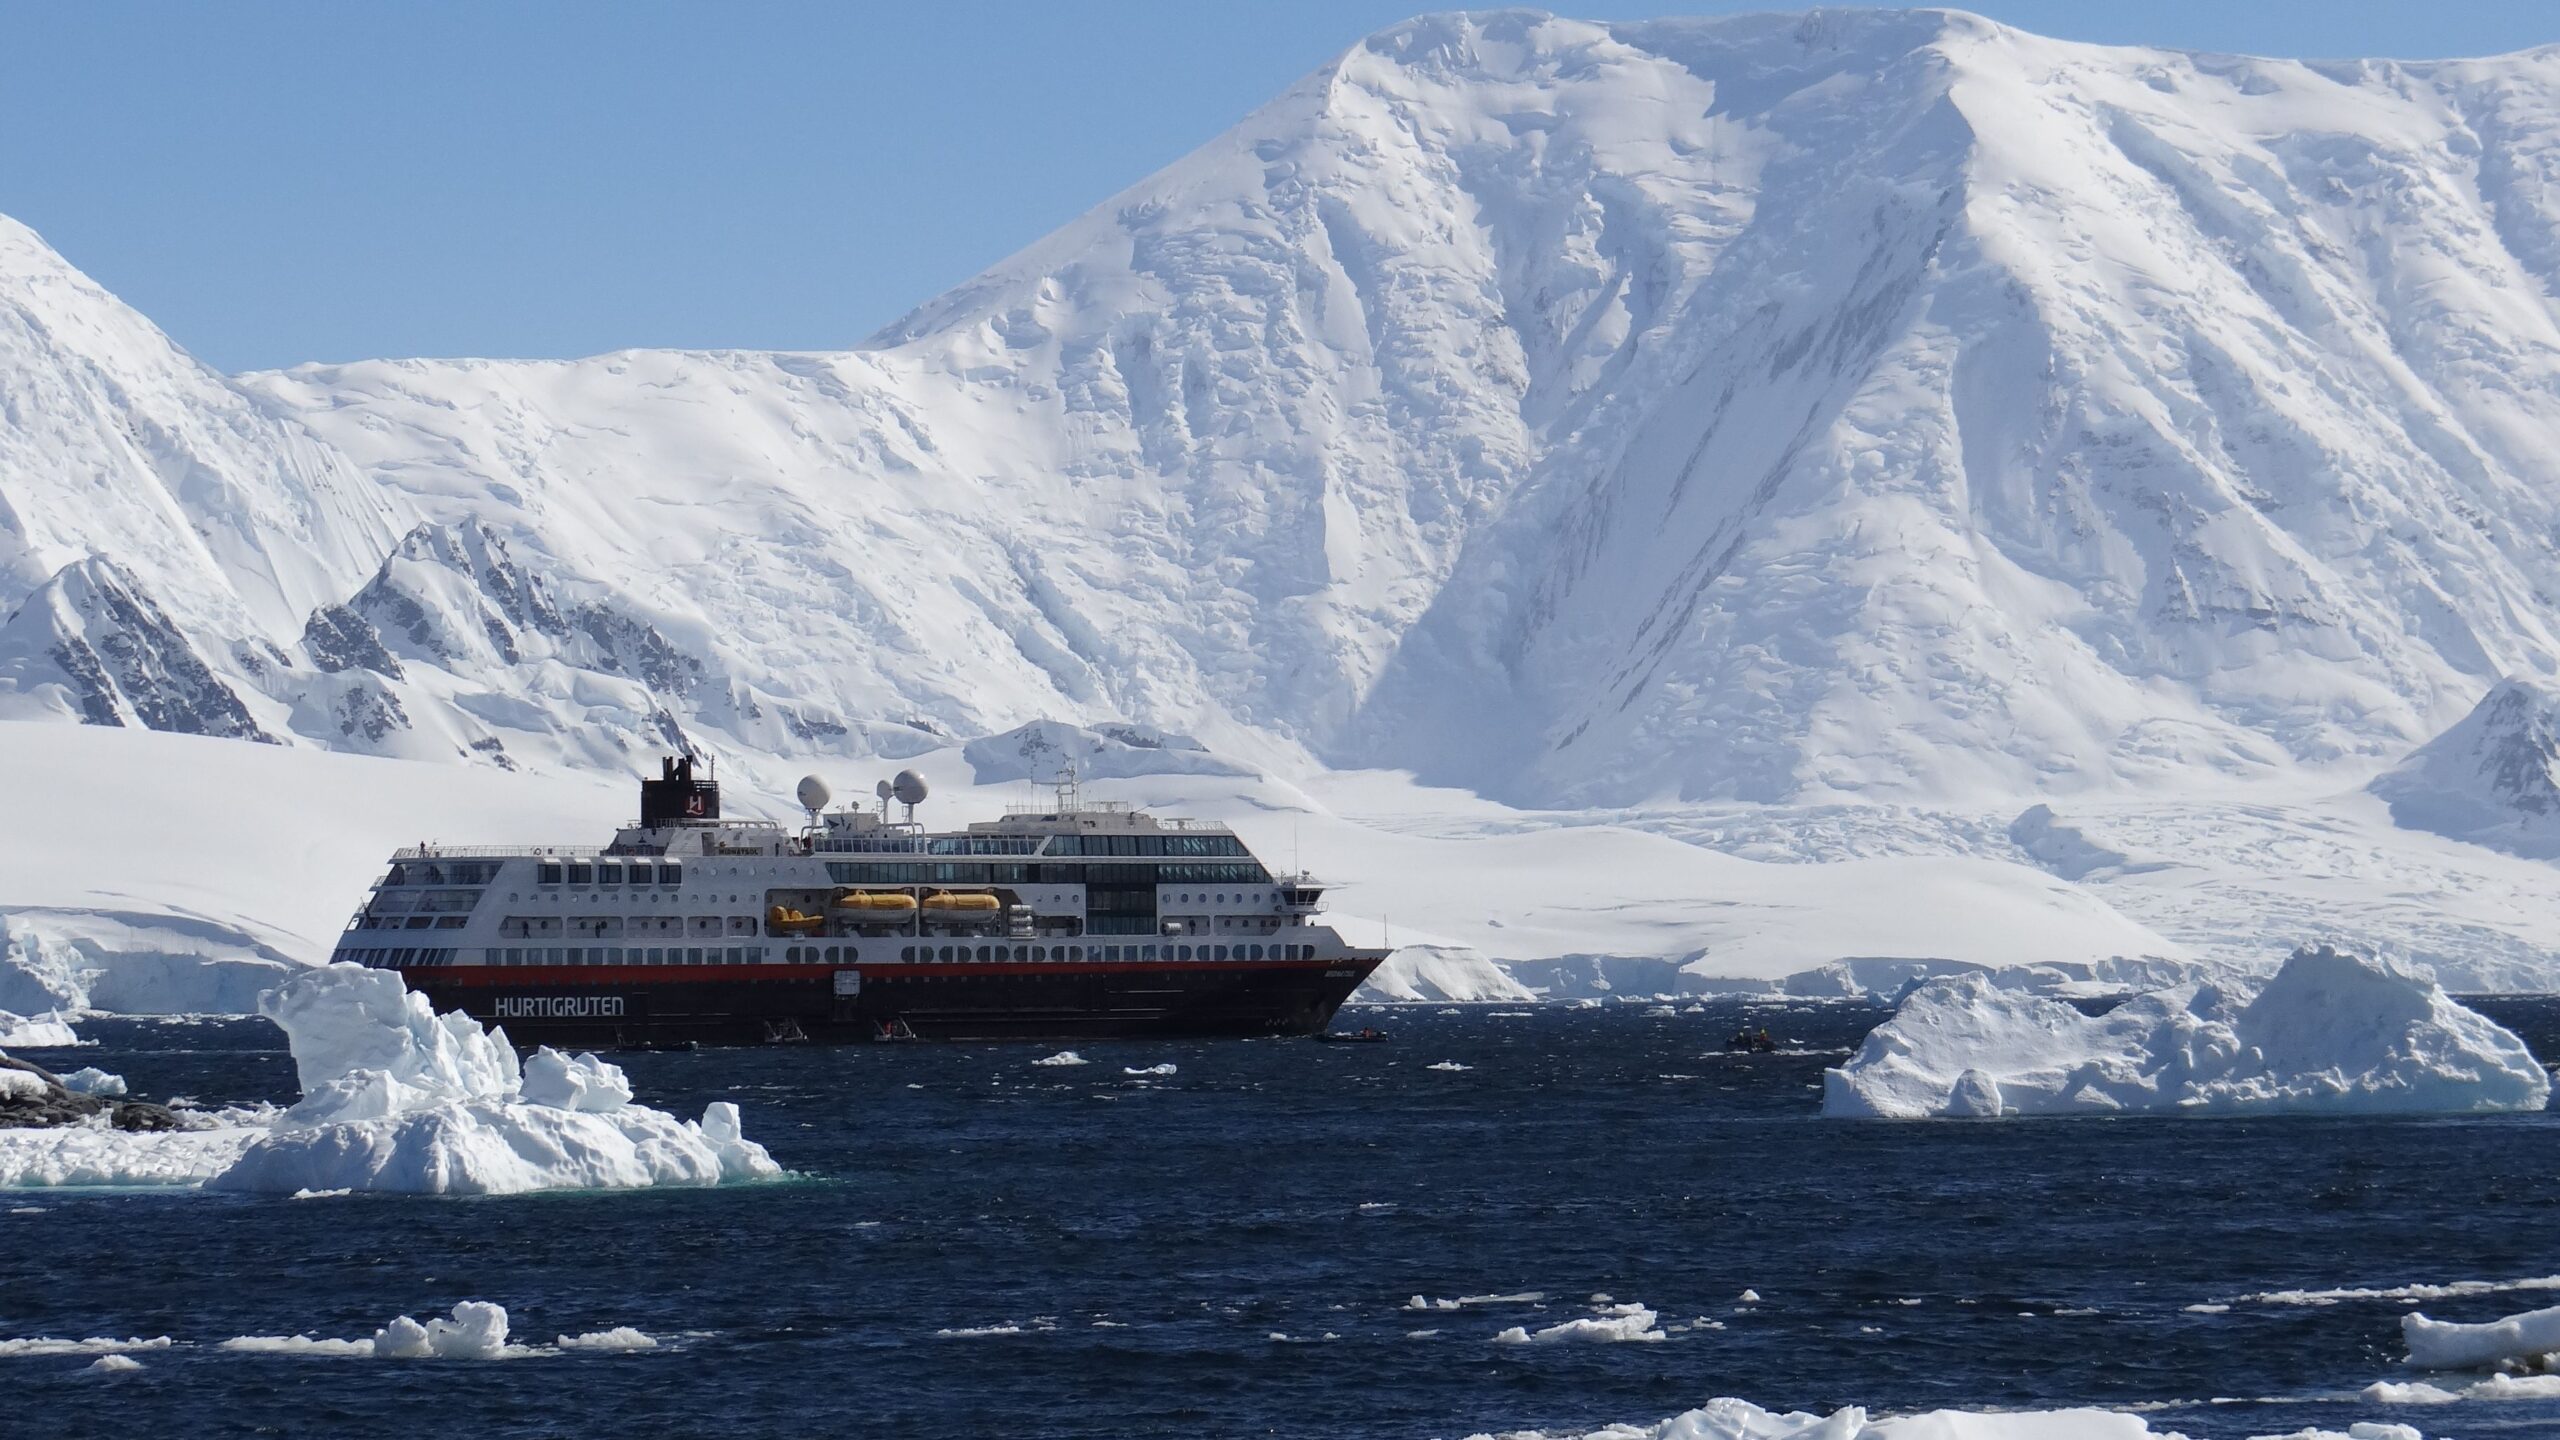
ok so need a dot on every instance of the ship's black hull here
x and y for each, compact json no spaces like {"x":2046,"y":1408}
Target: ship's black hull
{"x":602,"y":1006}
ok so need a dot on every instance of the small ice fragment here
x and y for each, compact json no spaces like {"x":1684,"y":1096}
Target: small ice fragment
{"x":1450,"y":1065}
{"x":1063,"y":1057}
{"x":1164,"y":1069}
{"x":1749,"y":1297}
{"x":113,"y":1364}
{"x":90,"y":1080}
{"x":619,"y":1338}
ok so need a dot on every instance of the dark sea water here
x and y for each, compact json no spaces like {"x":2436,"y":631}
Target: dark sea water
{"x":983,"y":1247}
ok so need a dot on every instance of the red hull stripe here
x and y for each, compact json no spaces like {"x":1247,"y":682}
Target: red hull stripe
{"x":510,"y":976}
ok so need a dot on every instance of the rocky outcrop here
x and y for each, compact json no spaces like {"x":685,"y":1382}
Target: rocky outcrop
{"x":34,"y":1097}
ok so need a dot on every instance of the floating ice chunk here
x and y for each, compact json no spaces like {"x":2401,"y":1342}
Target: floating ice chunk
{"x":1728,"y":1419}
{"x":2360,"y":1430}
{"x":2443,"y":1345}
{"x":1063,"y":1057}
{"x":2448,"y":1290}
{"x":1449,"y":1065}
{"x":294,"y":1345}
{"x":2331,"y":1031}
{"x":92,"y":1346}
{"x":1615,"y":1324}
{"x":618,"y":1339}
{"x":113,"y":1364}
{"x":574,"y":1082}
{"x":36,"y":1032}
{"x":90,"y":1080}
{"x":1748,"y":1297}
{"x":477,"y":1331}
{"x":1164,"y":1069}
{"x":2416,"y":1392}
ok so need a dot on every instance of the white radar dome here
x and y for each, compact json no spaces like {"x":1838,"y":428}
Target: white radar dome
{"x":814,"y":793}
{"x":909,"y":787}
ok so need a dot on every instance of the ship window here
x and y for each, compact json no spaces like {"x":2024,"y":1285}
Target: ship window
{"x":1039,"y":952}
{"x":548,"y":873}
{"x":947,"y":952}
{"x":608,"y":874}
{"x":667,"y":874}
{"x":986,"y":953}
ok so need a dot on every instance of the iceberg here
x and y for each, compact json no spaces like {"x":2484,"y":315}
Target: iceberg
{"x":398,"y":1098}
{"x":2330,"y":1031}
{"x":35,"y":1032}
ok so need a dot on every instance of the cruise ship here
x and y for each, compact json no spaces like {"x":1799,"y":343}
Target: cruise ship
{"x":1078,"y":921}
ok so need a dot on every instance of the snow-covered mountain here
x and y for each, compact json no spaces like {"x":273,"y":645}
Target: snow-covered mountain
{"x":1862,"y":408}
{"x":2493,"y":779}
{"x":1857,"y":403}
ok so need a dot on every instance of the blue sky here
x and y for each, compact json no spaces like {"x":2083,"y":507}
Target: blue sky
{"x":293,"y":181}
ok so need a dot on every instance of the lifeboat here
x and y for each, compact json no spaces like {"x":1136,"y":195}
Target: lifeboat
{"x":874,"y":900}
{"x":958,"y":900}
{"x":784,"y":920}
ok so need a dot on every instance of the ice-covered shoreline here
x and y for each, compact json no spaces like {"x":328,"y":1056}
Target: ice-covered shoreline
{"x":2330,"y":1031}
{"x":399,"y":1098}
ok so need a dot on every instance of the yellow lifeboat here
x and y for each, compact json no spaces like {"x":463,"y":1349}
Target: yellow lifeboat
{"x":950,"y":900}
{"x":874,"y":900}
{"x":784,"y":920}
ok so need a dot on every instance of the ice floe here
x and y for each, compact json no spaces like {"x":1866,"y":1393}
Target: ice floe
{"x":2448,"y":1290}
{"x":396,"y":1097}
{"x":35,"y":1032}
{"x":90,"y":1080}
{"x":619,"y":1339}
{"x":2330,"y":1031}
{"x":1063,"y":1057}
{"x":476,"y":1331}
{"x":2443,"y":1345}
{"x":1166,"y":1068}
{"x":1614,"y":1324}
{"x":1730,"y":1419}
{"x":95,"y":1346}
{"x":113,"y":1364}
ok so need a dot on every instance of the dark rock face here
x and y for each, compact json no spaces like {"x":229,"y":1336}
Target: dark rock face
{"x":59,"y":1105}
{"x":120,"y":653}
{"x":337,"y":638}
{"x":369,"y":712}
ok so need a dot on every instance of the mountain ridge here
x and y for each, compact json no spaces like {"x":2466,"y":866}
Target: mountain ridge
{"x":1777,"y":408}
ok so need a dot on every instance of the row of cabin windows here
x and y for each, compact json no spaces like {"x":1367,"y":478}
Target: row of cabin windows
{"x":443,"y":872}
{"x":373,"y":959}
{"x":627,"y":955}
{"x":371,"y":921}
{"x":892,"y":872}
{"x":1035,"y":954}
{"x":695,"y":926}
{"x":1147,"y":845}
{"x":608,"y":872}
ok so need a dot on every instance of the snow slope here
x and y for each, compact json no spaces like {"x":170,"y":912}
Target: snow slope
{"x":1983,"y":496}
{"x":1866,"y":403}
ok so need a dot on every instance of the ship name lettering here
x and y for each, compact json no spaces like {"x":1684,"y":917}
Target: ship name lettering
{"x":559,"y":1007}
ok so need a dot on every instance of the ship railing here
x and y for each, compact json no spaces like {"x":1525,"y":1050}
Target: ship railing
{"x":493,"y":852}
